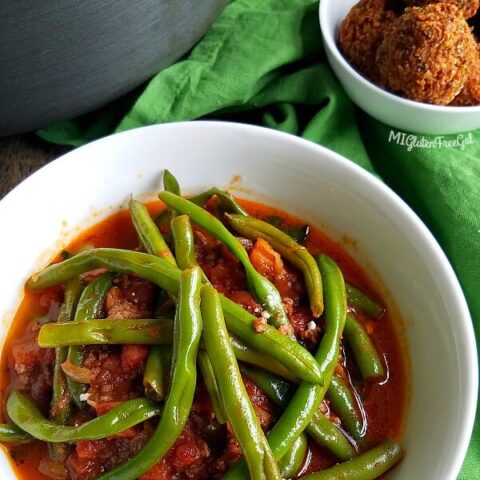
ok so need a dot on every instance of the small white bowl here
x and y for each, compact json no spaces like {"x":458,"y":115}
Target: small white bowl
{"x":45,"y":212}
{"x":391,"y":109}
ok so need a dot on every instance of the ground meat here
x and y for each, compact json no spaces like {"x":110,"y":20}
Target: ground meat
{"x":115,"y":377}
{"x":223,"y":270}
{"x":427,"y":54}
{"x":245,"y":299}
{"x":93,"y":274}
{"x":266,"y":413}
{"x":186,"y":459}
{"x":231,"y":454}
{"x":195,"y":452}
{"x":50,"y":300}
{"x":301,"y":319}
{"x":130,"y":297}
{"x":362,"y":31}
{"x":205,"y":449}
{"x":468,"y":7}
{"x":260,"y":324}
{"x":262,"y":405}
{"x":33,"y":370}
{"x":291,"y":285}
{"x":92,"y":458}
{"x":133,"y":358}
{"x":204,"y":242}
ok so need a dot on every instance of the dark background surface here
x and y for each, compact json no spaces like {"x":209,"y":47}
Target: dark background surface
{"x":62,"y":58}
{"x":21,"y":155}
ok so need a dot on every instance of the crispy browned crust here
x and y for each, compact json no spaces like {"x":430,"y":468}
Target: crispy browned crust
{"x":468,"y":7}
{"x":361,"y":33}
{"x":470,"y":95}
{"x":427,"y":53}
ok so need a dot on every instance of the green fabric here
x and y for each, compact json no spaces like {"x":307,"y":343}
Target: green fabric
{"x":262,"y":62}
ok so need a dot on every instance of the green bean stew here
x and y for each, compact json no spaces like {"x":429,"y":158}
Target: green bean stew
{"x":122,"y":393}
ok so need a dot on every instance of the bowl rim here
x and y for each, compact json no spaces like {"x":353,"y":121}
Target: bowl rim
{"x":328,"y":34}
{"x":375,"y":186}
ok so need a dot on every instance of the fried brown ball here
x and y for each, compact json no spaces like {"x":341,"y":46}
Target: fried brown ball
{"x":468,"y":7}
{"x":427,"y":53}
{"x":361,"y":32}
{"x":470,"y":95}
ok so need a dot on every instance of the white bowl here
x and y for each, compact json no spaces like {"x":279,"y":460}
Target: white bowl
{"x":47,"y":210}
{"x":391,"y":109}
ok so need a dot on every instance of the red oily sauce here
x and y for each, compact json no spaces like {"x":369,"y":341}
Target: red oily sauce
{"x":205,"y":449}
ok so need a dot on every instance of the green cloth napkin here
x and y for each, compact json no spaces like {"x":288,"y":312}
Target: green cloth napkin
{"x":263,"y":62}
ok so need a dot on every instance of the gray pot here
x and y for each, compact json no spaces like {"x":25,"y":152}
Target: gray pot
{"x":62,"y":58}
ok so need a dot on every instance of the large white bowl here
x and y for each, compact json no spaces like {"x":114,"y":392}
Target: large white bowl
{"x":391,"y":109}
{"x":46,"y":211}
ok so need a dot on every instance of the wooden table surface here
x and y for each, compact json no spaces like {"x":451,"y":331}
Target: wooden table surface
{"x":21,"y":155}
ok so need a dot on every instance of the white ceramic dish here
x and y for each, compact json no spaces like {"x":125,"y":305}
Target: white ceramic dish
{"x":391,"y":109}
{"x":46,"y":211}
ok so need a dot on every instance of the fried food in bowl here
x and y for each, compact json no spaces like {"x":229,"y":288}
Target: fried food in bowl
{"x":470,"y":95}
{"x":468,"y":7}
{"x":427,"y":54}
{"x":436,"y":108}
{"x":362,"y":31}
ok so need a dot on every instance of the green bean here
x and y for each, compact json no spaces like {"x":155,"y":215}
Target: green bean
{"x":110,"y":331}
{"x":320,"y":428}
{"x":183,"y":241}
{"x":10,"y":433}
{"x":308,"y":396}
{"x":294,"y":419}
{"x":245,"y":353}
{"x":164,"y":305}
{"x":263,"y":289}
{"x":236,"y":402}
{"x":226,"y":200}
{"x":184,"y":244}
{"x":154,"y":243}
{"x":241,"y":323}
{"x":328,"y":351}
{"x":60,"y":405}
{"x":295,"y":253}
{"x":187,"y":333}
{"x":271,"y":342}
{"x":157,"y":371}
{"x":28,"y":417}
{"x":363,"y":350}
{"x":113,"y":331}
{"x":291,"y":424}
{"x":291,"y":463}
{"x":275,"y":388}
{"x":71,"y":296}
{"x":328,"y":435}
{"x":346,"y":408}
{"x":148,"y":233}
{"x":170,"y":183}
{"x":367,"y":466}
{"x":90,"y":306}
{"x":144,"y":265}
{"x":299,"y":234}
{"x":209,"y":378}
{"x":362,"y":302}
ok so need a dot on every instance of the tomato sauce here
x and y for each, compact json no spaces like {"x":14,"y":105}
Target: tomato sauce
{"x":384,"y":402}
